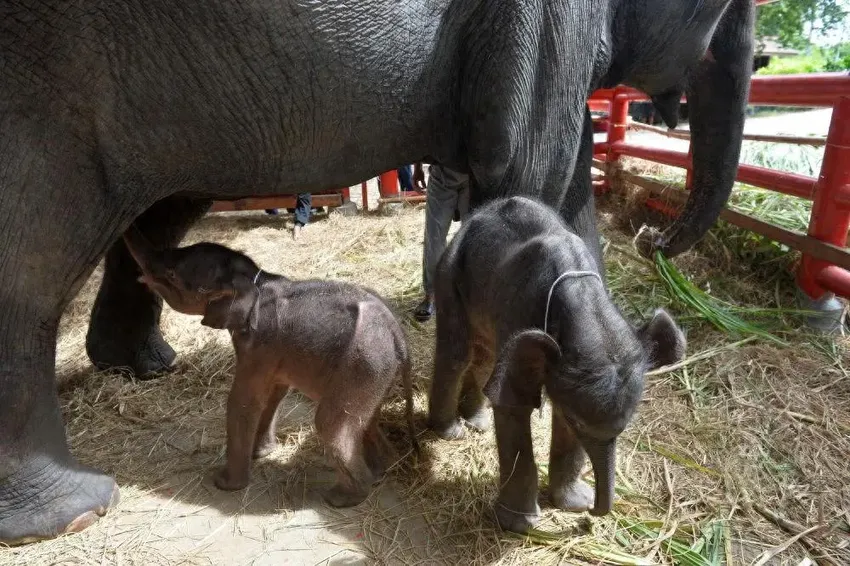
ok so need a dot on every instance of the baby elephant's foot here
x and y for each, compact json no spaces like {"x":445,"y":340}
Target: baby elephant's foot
{"x":452,"y":430}
{"x":226,"y":481}
{"x":515,"y":521}
{"x":577,"y":497}
{"x":263,"y":449}
{"x":342,"y":496}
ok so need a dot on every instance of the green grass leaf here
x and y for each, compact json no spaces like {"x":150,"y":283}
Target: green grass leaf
{"x":709,"y":308}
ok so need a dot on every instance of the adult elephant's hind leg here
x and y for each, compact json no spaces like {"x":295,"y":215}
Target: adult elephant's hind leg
{"x":124,"y":330}
{"x":55,"y":222}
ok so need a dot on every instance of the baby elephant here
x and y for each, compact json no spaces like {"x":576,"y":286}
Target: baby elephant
{"x":337,"y":343}
{"x":521,"y":307}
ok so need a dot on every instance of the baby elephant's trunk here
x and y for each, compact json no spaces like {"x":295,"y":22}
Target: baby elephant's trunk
{"x":407,"y":381}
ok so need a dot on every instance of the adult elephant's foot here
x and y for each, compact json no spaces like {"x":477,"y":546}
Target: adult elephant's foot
{"x":450,"y":430}
{"x":44,"y":502}
{"x":146,"y":357}
{"x":476,"y":413}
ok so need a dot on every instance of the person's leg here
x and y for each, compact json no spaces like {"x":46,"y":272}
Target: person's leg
{"x":460,"y":183}
{"x":405,"y":178}
{"x":303,"y":204}
{"x":439,"y":208}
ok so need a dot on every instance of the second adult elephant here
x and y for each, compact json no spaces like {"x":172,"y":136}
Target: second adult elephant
{"x":128,"y":110}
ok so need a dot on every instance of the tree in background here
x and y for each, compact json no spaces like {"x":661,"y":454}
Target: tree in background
{"x":818,"y":28}
{"x":798,"y":23}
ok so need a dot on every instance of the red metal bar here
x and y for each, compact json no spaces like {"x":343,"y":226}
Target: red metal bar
{"x":779,"y":181}
{"x":280,"y":201}
{"x":346,"y":194}
{"x":834,"y":279}
{"x":817,"y":89}
{"x":665,"y":156}
{"x":388,"y":184}
{"x":814,"y":89}
{"x":662,"y":207}
{"x":786,"y":183}
{"x":830,"y":219}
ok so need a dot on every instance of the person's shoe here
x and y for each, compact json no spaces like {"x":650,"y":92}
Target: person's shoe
{"x":296,"y":232}
{"x":425,"y":310}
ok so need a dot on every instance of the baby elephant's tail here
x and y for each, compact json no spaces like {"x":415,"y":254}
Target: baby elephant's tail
{"x":407,"y":381}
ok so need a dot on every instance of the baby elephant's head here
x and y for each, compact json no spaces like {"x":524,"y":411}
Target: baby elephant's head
{"x":594,"y":378}
{"x":202,"y":279}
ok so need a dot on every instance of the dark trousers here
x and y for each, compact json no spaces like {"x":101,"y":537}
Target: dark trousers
{"x":303,"y":204}
{"x":405,"y":177}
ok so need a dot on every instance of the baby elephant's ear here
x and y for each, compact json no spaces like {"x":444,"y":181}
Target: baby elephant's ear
{"x":662,"y":339}
{"x":521,"y":369}
{"x":232,"y":309}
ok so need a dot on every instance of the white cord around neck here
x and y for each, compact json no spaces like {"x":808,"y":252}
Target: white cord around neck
{"x":565,"y":275}
{"x":257,"y":276}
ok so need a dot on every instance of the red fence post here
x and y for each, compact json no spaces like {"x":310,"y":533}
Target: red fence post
{"x":618,"y":121}
{"x":830,"y":218}
{"x":388,"y":184}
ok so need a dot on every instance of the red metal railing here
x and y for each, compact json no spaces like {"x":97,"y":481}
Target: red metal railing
{"x":830,"y":218}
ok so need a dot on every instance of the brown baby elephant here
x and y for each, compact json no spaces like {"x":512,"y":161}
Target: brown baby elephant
{"x":337,"y":343}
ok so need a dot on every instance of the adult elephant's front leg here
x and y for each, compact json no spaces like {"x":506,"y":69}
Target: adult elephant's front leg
{"x":50,"y":240}
{"x":578,"y":206}
{"x":124,"y":330}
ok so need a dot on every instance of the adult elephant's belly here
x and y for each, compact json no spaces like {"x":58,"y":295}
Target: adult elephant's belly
{"x":293,"y":102}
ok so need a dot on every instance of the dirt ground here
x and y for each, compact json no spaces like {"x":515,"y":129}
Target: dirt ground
{"x":743,"y":431}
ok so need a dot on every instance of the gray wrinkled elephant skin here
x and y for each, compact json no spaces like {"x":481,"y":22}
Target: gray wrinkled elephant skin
{"x":143,"y":111}
{"x":513,"y":270}
{"x":337,"y":343}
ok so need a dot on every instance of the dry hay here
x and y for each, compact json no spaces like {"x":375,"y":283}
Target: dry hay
{"x":745,"y":432}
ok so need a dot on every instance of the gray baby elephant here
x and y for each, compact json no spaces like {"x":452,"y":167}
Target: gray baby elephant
{"x":521,"y":307}
{"x":337,"y":343}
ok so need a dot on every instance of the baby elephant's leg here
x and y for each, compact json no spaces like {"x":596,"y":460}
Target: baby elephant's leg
{"x":566,"y":456}
{"x":473,"y":404}
{"x":451,"y":358}
{"x":377,"y":449}
{"x":266,"y":439}
{"x":244,"y":408}
{"x":343,"y":432}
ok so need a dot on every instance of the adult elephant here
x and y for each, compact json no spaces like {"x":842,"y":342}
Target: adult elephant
{"x":124,"y":110}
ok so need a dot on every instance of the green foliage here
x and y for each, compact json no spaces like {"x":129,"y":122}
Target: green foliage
{"x":718,"y":313}
{"x":815,"y":60}
{"x":795,"y":22}
{"x":837,"y":57}
{"x":706,"y":551}
{"x":810,"y":63}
